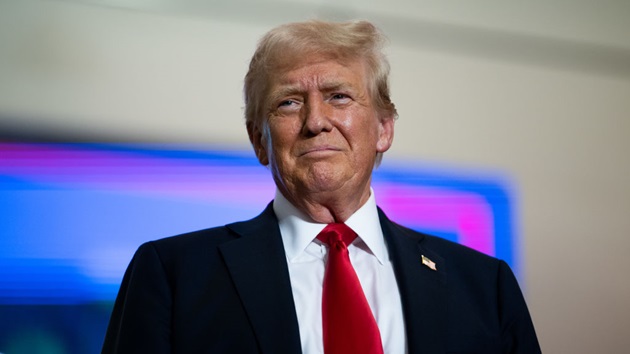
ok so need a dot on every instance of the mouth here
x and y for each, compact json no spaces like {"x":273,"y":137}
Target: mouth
{"x":319,"y":150}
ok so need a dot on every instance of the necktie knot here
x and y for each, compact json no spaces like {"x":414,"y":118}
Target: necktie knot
{"x":333,"y":233}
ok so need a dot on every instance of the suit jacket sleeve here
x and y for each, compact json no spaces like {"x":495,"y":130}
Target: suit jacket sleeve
{"x":140,"y":321}
{"x":518,"y":335}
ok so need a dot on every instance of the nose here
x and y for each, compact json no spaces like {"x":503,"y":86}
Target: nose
{"x":317,"y":117}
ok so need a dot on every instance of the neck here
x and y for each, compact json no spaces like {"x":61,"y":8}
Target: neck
{"x":329,"y":207}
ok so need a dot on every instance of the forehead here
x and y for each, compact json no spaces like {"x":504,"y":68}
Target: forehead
{"x":320,"y":72}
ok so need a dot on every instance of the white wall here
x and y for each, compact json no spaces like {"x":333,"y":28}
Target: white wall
{"x":539,"y":90}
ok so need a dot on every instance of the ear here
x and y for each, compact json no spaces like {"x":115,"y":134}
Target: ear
{"x":385,"y":134}
{"x":259,"y":142}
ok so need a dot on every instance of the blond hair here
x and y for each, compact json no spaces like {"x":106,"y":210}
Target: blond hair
{"x":284,"y":45}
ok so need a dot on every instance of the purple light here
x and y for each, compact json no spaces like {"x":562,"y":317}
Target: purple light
{"x":465,"y":214}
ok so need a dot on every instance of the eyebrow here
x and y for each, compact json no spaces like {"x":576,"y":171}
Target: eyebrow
{"x":290,"y":90}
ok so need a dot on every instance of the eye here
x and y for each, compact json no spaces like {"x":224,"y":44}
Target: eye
{"x":286,"y":103}
{"x":288,"y":106}
{"x":339,"y":96}
{"x":339,"y":99}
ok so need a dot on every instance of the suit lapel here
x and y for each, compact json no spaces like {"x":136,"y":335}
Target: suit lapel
{"x":258,"y":266}
{"x":422,"y":289}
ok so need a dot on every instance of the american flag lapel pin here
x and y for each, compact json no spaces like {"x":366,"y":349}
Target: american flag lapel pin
{"x":429,"y":263}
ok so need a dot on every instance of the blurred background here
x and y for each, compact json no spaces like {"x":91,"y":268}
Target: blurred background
{"x":532,"y":99}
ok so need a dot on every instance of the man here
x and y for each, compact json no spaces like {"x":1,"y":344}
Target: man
{"x":295,"y":279}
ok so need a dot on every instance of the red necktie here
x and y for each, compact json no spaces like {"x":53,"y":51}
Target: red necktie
{"x":349,"y":326}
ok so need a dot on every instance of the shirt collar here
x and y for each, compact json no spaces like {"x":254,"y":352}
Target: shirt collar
{"x":298,"y":230}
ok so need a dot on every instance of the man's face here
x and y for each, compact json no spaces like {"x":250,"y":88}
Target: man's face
{"x":323,"y":131}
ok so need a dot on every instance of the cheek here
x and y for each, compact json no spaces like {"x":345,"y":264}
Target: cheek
{"x":360,"y":124}
{"x":368,"y":133}
{"x":282,"y":136}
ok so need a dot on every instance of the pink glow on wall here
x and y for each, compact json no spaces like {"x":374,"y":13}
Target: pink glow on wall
{"x":466,"y":214}
{"x":136,"y":173}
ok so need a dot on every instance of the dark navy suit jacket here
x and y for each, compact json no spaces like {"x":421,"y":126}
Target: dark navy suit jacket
{"x":227,"y":290}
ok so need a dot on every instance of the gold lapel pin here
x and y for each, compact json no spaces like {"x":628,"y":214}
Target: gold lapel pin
{"x":429,"y":263}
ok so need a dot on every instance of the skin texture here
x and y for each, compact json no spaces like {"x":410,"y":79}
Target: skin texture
{"x":321,"y":136}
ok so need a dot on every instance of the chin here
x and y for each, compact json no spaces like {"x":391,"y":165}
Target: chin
{"x":323,"y":181}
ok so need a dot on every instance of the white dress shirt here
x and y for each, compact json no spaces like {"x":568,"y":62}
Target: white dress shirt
{"x":306,"y":258}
